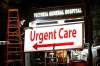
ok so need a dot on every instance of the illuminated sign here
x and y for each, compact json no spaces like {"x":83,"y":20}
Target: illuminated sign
{"x":58,"y":12}
{"x":54,"y":37}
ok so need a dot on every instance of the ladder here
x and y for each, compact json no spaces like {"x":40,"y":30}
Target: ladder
{"x":14,"y":48}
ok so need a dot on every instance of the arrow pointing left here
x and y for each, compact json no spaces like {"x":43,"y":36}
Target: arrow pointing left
{"x":53,"y":44}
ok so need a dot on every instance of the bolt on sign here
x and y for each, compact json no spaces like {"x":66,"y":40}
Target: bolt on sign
{"x":65,"y":36}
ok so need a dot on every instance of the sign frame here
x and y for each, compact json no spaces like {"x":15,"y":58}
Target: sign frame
{"x":35,"y":46}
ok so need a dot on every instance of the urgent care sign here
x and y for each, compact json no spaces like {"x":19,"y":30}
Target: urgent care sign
{"x":66,"y":36}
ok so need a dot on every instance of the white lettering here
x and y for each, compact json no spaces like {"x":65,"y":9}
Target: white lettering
{"x":73,"y":11}
{"x":58,"y":12}
{"x":41,"y":14}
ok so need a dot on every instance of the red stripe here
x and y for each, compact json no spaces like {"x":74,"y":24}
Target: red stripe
{"x":55,"y":44}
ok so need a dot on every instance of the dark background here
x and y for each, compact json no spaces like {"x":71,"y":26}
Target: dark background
{"x":26,"y":9}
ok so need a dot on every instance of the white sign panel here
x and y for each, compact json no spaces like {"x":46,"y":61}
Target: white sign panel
{"x":65,"y":36}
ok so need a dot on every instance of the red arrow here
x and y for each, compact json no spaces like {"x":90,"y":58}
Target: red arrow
{"x":52,"y":45}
